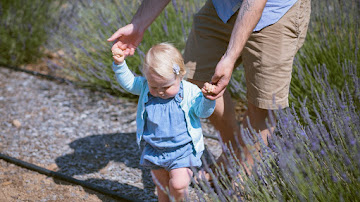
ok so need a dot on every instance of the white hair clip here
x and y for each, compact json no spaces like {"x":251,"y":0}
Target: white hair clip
{"x":176,"y":69}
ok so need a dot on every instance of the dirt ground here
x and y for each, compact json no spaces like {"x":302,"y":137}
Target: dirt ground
{"x":20,"y":184}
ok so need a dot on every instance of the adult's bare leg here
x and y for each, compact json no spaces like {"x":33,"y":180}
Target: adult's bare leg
{"x":223,"y":119}
{"x":259,"y":120}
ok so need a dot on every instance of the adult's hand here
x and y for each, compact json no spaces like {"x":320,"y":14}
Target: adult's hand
{"x":127,"y":38}
{"x":221,"y":78}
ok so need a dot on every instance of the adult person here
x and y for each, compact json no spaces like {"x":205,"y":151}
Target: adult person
{"x":264,"y":35}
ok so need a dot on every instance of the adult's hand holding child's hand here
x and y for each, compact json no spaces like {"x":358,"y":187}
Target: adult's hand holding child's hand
{"x":127,"y":38}
{"x":221,"y":78}
{"x":118,"y":56}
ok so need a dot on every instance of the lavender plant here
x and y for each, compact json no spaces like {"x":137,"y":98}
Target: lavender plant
{"x":83,"y":37}
{"x":23,"y":30}
{"x":307,"y":159}
{"x":331,"y":46}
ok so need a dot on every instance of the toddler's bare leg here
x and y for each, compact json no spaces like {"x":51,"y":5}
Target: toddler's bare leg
{"x":161,"y":176}
{"x":179,"y":182}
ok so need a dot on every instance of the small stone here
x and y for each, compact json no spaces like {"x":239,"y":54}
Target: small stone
{"x":105,"y":170}
{"x":52,"y":167}
{"x":16,"y":123}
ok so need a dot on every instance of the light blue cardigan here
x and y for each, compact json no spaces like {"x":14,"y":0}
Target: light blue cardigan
{"x":194,"y":104}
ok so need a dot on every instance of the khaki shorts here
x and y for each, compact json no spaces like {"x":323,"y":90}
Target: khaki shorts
{"x":267,"y":57}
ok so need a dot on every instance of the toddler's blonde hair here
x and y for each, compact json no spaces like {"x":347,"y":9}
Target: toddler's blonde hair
{"x":161,"y":59}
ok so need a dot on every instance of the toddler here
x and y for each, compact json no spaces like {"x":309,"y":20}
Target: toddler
{"x":168,"y":117}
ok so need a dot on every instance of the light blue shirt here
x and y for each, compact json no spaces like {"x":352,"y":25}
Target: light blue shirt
{"x":273,"y":11}
{"x":165,"y":124}
{"x":194,"y":104}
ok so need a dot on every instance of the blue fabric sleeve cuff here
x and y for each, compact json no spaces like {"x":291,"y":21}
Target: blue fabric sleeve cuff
{"x":209,"y":103}
{"x":118,"y":68}
{"x":207,"y":107}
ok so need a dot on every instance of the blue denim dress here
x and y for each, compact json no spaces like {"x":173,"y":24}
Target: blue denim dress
{"x":168,"y":144}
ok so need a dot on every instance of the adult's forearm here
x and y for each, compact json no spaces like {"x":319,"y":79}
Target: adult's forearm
{"x":148,"y":12}
{"x":249,"y":15}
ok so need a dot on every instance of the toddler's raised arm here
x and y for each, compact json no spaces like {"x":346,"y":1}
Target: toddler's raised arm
{"x":118,"y":56}
{"x":126,"y":78}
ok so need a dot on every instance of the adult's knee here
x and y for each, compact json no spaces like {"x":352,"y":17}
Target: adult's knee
{"x":256,"y":112}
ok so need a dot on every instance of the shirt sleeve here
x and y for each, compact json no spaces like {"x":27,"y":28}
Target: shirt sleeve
{"x":126,"y":78}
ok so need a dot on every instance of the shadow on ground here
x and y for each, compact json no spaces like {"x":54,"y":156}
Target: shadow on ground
{"x":93,"y":154}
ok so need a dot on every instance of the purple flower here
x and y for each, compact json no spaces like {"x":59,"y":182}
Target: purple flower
{"x":175,"y":6}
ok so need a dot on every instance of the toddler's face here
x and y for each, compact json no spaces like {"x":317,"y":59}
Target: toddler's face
{"x":163,"y":88}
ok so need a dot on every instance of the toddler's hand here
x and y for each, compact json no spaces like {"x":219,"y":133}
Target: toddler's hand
{"x":207,"y":89}
{"x":118,"y":56}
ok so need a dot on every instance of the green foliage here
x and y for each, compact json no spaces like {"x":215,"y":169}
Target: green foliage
{"x":83,"y":37}
{"x":331,"y":46}
{"x":24,"y":29}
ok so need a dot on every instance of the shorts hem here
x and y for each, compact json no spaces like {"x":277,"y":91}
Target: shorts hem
{"x":184,"y":166}
{"x":269,"y":104}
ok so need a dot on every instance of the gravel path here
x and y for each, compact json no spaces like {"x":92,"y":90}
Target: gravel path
{"x":87,"y":135}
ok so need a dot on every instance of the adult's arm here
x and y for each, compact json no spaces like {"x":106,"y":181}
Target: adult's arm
{"x":249,"y":15}
{"x":129,"y":37}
